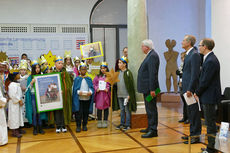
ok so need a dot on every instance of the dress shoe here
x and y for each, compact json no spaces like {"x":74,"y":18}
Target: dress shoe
{"x":78,"y":129}
{"x":193,"y":141}
{"x":186,"y":122}
{"x":184,"y":137}
{"x":84,"y":128}
{"x":21,"y":131}
{"x":144,"y":130}
{"x":16,"y":133}
{"x":208,"y":150}
{"x":35,"y":130}
{"x":40,"y":130}
{"x":150,"y":134}
{"x":182,"y":120}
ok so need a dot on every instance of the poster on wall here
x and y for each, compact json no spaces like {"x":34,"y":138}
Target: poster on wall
{"x":35,"y":44}
{"x":91,"y":50}
{"x":14,"y":60}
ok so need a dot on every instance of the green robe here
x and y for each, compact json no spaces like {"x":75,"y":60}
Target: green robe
{"x":128,"y":79}
{"x":67,"y":83}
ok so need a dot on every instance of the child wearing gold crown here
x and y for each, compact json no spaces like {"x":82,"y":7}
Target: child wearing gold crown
{"x":77,"y":62}
{"x":23,"y":76}
{"x":63,"y":117}
{"x":68,"y":65}
{"x":33,"y":116}
{"x":44,"y":64}
{"x":83,"y":92}
{"x":125,"y":94}
{"x":102,"y":95}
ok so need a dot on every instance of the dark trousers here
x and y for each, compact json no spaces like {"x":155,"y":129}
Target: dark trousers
{"x":59,"y":119}
{"x":152,"y":114}
{"x":83,"y":113}
{"x":194,"y":119}
{"x":210,"y":122}
{"x":36,"y":116}
{"x":185,"y":108}
{"x":99,"y":114}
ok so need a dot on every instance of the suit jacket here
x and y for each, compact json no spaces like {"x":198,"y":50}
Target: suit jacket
{"x":209,"y":90}
{"x":191,"y":71}
{"x":147,"y":79}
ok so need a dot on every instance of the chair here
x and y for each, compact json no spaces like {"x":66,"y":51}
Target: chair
{"x":224,"y":107}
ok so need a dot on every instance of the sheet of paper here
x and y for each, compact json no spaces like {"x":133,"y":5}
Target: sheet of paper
{"x":189,"y":100}
{"x":102,"y":85}
{"x":224,"y":127}
{"x":199,"y":105}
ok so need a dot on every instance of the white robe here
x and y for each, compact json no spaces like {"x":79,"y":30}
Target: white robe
{"x":3,"y":125}
{"x":23,"y":84}
{"x":15,"y":117}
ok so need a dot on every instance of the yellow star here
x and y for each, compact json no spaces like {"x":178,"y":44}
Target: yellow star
{"x":3,"y":56}
{"x":112,"y":77}
{"x":50,"y":58}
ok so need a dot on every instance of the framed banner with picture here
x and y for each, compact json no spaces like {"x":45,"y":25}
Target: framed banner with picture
{"x":92,"y":50}
{"x":48,"y":92}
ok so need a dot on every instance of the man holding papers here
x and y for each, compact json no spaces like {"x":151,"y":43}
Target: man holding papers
{"x":190,"y":77}
{"x":147,"y":83}
{"x":209,"y":90}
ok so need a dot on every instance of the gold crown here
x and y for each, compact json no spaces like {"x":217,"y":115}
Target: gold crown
{"x":59,"y":58}
{"x":67,"y":54}
{"x":14,"y":71}
{"x":76,"y":59}
{"x":23,"y":65}
{"x":83,"y":64}
{"x":124,"y":59}
{"x":42,"y":60}
{"x":34,"y":62}
{"x":105,"y":64}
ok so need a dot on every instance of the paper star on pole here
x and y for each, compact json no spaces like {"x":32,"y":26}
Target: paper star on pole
{"x":3,"y":56}
{"x":50,"y":58}
{"x":112,"y":77}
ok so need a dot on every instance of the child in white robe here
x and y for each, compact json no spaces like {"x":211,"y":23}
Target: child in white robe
{"x":3,"y":125}
{"x":15,"y":116}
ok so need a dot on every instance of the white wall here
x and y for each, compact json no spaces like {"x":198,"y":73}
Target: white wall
{"x":110,"y":12}
{"x":46,"y":11}
{"x":63,"y":12}
{"x":173,"y":19}
{"x":220,"y":34}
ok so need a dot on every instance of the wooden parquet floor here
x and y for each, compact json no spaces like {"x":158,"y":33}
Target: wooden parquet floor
{"x":105,"y":141}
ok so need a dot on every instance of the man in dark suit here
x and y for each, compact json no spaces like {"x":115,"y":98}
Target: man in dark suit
{"x":147,"y":83}
{"x":190,"y":80}
{"x":209,"y":90}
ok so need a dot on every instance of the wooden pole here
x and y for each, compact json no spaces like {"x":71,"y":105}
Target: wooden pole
{"x":111,"y":110}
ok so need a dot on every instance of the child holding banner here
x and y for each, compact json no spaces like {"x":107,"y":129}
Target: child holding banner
{"x":32,"y":115}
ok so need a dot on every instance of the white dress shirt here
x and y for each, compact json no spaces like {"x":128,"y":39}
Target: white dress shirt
{"x":205,"y":56}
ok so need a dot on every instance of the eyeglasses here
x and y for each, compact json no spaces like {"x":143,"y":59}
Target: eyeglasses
{"x":200,"y":45}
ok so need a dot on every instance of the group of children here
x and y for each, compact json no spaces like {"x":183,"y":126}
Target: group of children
{"x":79,"y":92}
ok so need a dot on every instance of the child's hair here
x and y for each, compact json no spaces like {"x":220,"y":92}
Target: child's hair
{"x":124,"y":63}
{"x":11,"y":77}
{"x":24,"y":54}
{"x":71,"y":63}
{"x":34,"y":69}
{"x":101,"y":74}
